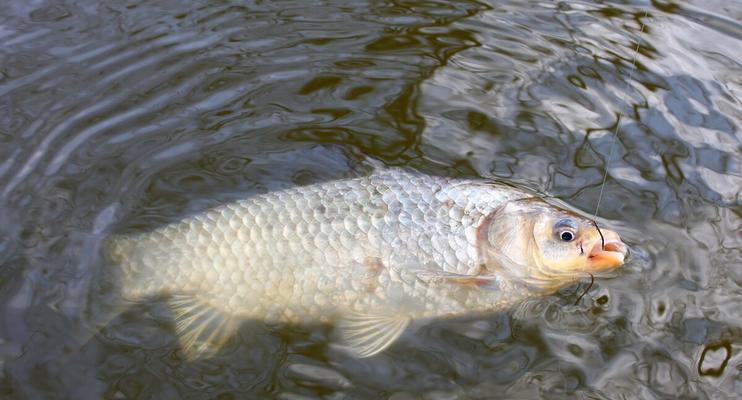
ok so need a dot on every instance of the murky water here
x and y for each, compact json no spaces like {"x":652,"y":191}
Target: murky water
{"x":129,"y":114}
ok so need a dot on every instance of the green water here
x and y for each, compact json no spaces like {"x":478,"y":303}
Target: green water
{"x":119,"y":115}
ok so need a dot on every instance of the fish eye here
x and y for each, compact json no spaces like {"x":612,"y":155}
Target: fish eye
{"x":566,"y":230}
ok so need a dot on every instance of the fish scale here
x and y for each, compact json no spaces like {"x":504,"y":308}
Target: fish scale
{"x":323,"y":229}
{"x":375,"y":250}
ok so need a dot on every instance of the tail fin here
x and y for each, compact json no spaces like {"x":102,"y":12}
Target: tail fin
{"x":105,"y":298}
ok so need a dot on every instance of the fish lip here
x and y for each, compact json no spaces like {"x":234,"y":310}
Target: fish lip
{"x":605,"y":257}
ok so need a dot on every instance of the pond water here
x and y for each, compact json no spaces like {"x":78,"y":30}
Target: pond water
{"x":122,"y":115}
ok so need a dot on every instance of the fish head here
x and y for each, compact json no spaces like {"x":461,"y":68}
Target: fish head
{"x":548,"y":247}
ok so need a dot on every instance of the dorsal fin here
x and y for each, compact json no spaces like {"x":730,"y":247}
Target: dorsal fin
{"x":202,"y":329}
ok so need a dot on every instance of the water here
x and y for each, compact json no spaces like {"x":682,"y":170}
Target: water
{"x":126,"y":115}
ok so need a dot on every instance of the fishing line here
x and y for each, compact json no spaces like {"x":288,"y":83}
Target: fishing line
{"x":587,"y":289}
{"x":608,"y":161}
{"x":618,"y":123}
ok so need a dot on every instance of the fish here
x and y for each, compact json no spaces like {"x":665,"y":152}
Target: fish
{"x":368,"y":255}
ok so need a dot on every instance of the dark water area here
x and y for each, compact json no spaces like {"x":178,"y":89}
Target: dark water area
{"x":120,"y":115}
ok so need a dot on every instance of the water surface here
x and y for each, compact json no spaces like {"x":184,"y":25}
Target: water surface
{"x":125,"y":115}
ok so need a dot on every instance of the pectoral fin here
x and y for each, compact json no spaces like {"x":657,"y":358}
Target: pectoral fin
{"x":368,"y":334}
{"x":438,"y":277}
{"x":201,"y":328}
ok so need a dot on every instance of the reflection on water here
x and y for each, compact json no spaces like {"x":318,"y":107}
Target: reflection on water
{"x":126,"y":115}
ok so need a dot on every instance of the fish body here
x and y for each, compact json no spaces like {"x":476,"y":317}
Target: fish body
{"x":369,"y":254}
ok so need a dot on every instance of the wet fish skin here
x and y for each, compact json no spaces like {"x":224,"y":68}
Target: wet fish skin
{"x":286,"y":255}
{"x":369,"y":254}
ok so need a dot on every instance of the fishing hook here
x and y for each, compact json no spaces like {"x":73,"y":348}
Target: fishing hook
{"x":602,"y":239}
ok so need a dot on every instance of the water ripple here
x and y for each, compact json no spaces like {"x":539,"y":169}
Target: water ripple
{"x":130,"y":115}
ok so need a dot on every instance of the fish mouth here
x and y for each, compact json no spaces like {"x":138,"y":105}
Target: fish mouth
{"x":606,"y":257}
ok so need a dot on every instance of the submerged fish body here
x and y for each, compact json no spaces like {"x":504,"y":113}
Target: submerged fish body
{"x":368,"y":254}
